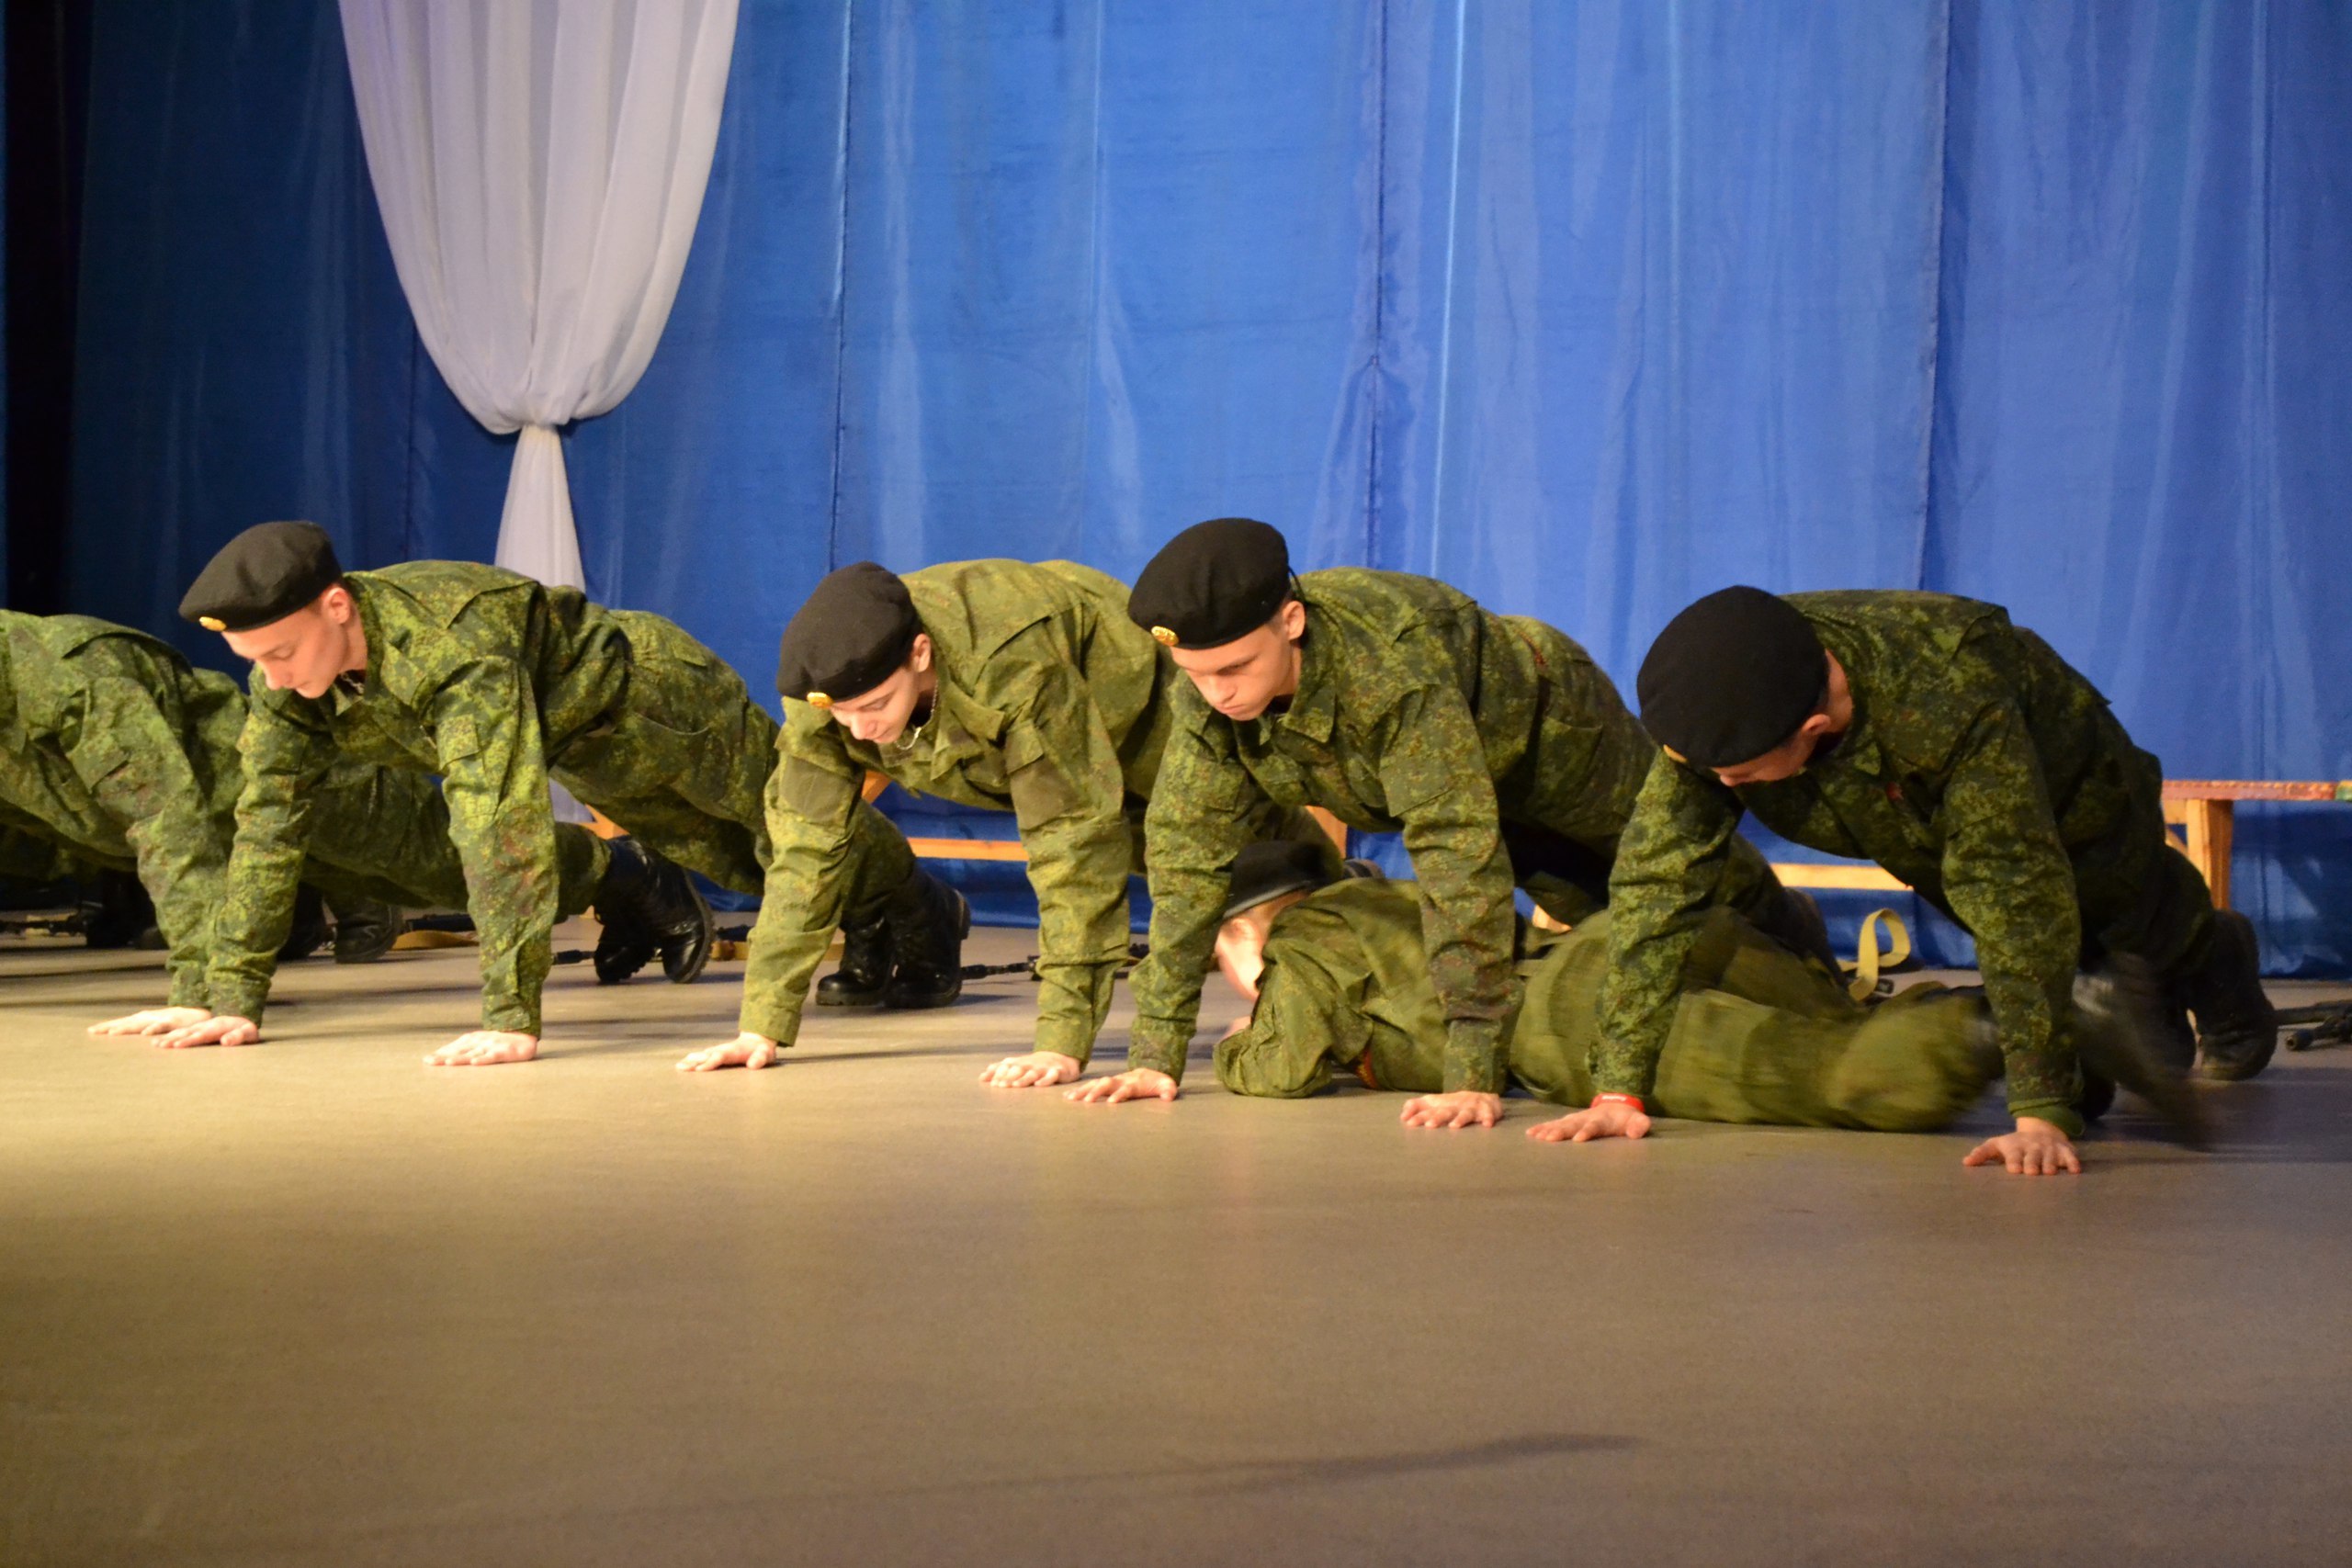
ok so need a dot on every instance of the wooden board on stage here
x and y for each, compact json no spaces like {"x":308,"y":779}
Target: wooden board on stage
{"x":2203,"y":810}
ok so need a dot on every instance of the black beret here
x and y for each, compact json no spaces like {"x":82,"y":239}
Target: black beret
{"x":1214,"y":583}
{"x":1731,"y":678}
{"x":1277,"y":866}
{"x":264,"y":574}
{"x":853,"y":631}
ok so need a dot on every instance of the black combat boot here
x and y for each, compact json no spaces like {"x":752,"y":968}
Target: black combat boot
{"x":648,"y":904}
{"x":2237,"y":1029}
{"x":364,"y":929}
{"x":1794,"y":921}
{"x":683,"y":927}
{"x":2119,"y":1034}
{"x":865,"y":970}
{"x":928,"y":922}
{"x":117,"y":913}
{"x":624,"y":944}
{"x":309,"y":932}
{"x":2176,"y":1039}
{"x":2099,"y":1093}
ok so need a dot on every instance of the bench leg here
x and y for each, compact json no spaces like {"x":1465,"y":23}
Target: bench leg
{"x":2210,"y":828}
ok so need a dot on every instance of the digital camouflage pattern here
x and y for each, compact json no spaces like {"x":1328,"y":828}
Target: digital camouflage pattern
{"x":1419,"y":712}
{"x":1758,"y":1035}
{"x":116,"y":750}
{"x":1981,"y":769}
{"x":499,"y":683}
{"x":1049,"y":706}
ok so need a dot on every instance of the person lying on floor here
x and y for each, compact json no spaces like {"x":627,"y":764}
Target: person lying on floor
{"x":1336,"y":972}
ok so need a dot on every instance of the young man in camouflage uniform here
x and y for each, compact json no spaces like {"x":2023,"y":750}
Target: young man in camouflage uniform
{"x":497,"y":683}
{"x":996,"y":683}
{"x":118,"y":754}
{"x":1338,"y":982}
{"x":1927,"y":733}
{"x":1492,"y":742}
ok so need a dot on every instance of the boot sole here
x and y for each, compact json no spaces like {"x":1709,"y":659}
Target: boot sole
{"x":372,"y":950}
{"x":616,"y":974}
{"x":924,"y":1003}
{"x":2257,"y":1022}
{"x":2228,"y":1071}
{"x":873,"y":1002}
{"x":614,"y":966}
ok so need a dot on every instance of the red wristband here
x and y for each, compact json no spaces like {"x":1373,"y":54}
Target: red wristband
{"x":1633,"y":1099}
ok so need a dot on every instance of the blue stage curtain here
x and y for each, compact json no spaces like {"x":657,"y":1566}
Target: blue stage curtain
{"x":2141,"y":375}
{"x":243,"y":352}
{"x":1588,"y":309}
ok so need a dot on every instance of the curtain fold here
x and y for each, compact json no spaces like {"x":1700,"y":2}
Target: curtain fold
{"x":540,"y":167}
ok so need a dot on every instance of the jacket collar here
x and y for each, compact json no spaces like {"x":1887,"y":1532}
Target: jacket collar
{"x":1315,"y":707}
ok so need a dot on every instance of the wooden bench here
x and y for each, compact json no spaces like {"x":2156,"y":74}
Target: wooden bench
{"x":2206,"y":812}
{"x":2203,"y":810}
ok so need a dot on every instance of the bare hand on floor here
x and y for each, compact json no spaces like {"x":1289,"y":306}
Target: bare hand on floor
{"x":485,"y":1047}
{"x":216,"y":1029}
{"x":1135,"y":1083}
{"x":155,"y":1021}
{"x":1610,"y":1118}
{"x":746,"y":1050}
{"x":2036,"y":1148}
{"x":1462,"y":1108}
{"x":1038,"y":1070}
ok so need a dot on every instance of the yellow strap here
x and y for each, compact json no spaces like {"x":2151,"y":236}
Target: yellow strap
{"x":410,"y":941}
{"x":1869,"y":960}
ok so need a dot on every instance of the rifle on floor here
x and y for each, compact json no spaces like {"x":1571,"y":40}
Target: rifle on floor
{"x":1026,"y":966}
{"x":2316,"y":1028}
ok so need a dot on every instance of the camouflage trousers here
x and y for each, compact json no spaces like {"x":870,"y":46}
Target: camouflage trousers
{"x":376,"y":834}
{"x":683,"y":763}
{"x":383,"y":834}
{"x":2138,"y":894}
{"x":1761,"y":1035}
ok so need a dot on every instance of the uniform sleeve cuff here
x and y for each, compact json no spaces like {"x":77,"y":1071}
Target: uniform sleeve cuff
{"x":1625,"y":1066}
{"x":1157,"y":1051}
{"x":1069,"y":1039}
{"x":2057,"y":1113}
{"x":514,"y":1020}
{"x":1474,"y":1058}
{"x":236,"y":1001}
{"x":779,"y":1024}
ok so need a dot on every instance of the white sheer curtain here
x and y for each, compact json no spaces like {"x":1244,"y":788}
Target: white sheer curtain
{"x":540,"y":165}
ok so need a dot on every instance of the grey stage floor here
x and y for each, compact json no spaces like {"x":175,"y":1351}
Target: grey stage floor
{"x":312,"y":1302}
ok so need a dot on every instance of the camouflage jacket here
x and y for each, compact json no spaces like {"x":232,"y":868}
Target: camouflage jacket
{"x":1416,"y":711}
{"x":475,"y":673}
{"x":1048,"y":707}
{"x":113,"y":748}
{"x":1978,"y":768}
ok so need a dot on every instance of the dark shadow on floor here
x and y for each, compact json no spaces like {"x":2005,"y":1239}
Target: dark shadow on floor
{"x":1283,"y":1475}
